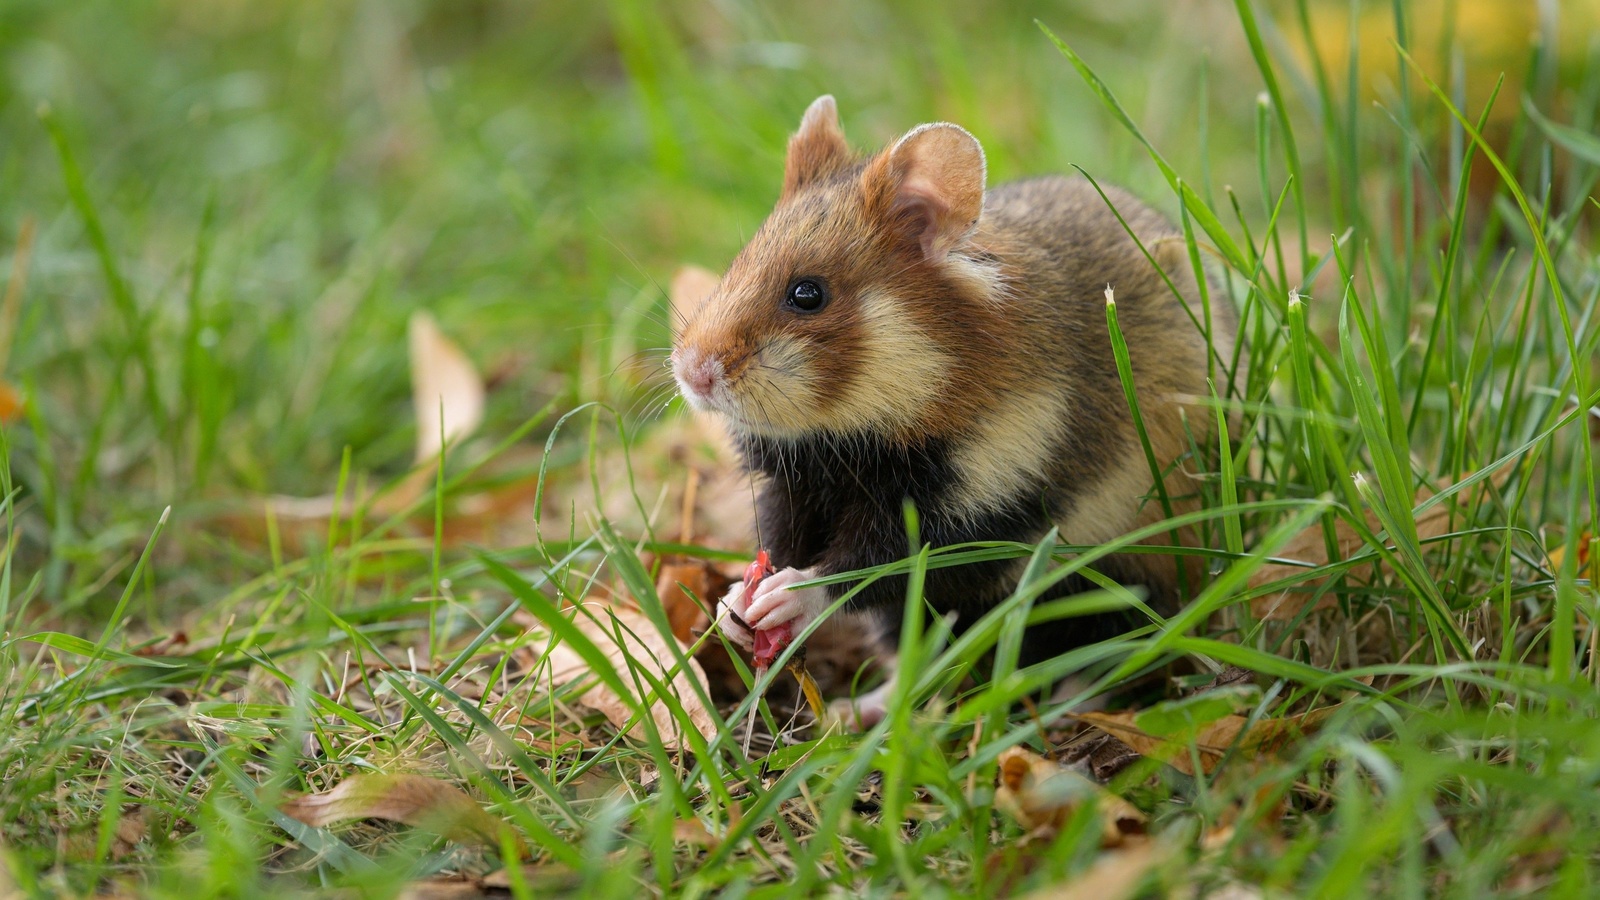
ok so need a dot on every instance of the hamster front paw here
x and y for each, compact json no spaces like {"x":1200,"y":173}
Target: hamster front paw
{"x":863,"y":712}
{"x":773,"y":603}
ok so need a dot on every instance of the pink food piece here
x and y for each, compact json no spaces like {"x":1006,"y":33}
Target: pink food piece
{"x":769,"y":642}
{"x":756,"y":571}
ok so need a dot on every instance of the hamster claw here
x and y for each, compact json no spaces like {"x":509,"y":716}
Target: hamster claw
{"x":730,"y":617}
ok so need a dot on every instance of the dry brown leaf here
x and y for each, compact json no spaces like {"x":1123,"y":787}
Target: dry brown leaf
{"x":10,"y":403}
{"x":1587,"y":567}
{"x":1114,"y":876}
{"x":683,"y":579}
{"x":446,"y":390}
{"x":415,"y":800}
{"x":691,"y":285}
{"x":1310,"y":547}
{"x":1099,"y":754}
{"x":1217,"y":836}
{"x":131,"y":829}
{"x":644,"y":646}
{"x":544,"y":879}
{"x":170,"y":645}
{"x":1213,"y":740}
{"x":447,"y":395}
{"x":694,"y":833}
{"x":1040,"y":794}
{"x":443,"y":888}
{"x":696,"y":575}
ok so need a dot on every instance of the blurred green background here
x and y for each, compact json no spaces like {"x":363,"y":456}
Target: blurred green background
{"x":531,"y":173}
{"x":279,"y":185}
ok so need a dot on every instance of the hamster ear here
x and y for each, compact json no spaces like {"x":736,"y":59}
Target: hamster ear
{"x":935,"y":177}
{"x":818,"y":149}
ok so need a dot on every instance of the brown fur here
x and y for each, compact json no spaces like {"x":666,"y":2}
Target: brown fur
{"x":985,"y":332}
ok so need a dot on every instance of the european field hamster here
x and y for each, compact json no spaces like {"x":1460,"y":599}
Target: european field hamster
{"x":893,"y":331}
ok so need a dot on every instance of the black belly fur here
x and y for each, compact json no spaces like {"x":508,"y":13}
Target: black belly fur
{"x":837,"y":503}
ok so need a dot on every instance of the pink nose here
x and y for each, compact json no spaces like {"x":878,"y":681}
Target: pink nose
{"x":697,"y":373}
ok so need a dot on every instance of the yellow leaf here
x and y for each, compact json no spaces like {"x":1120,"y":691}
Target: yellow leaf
{"x":808,"y":687}
{"x":1586,"y":559}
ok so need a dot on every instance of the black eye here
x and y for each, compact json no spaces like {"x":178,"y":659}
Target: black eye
{"x":807,"y":295}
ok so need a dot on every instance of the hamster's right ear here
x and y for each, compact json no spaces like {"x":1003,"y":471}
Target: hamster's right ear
{"x":818,"y":149}
{"x":931,"y":182}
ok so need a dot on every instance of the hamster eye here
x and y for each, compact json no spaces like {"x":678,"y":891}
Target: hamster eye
{"x":807,"y":295}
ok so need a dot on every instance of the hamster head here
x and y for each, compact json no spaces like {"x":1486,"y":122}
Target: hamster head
{"x":850,"y":309}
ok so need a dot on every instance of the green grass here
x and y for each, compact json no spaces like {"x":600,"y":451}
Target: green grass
{"x":227,"y":212}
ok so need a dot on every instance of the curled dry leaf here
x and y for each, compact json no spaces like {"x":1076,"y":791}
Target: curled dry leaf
{"x":1310,"y":547}
{"x":673,"y":585}
{"x":1114,"y":876}
{"x":544,"y":879}
{"x":640,"y":645}
{"x":446,"y":390}
{"x":1040,"y":794}
{"x":691,"y":285}
{"x":442,"y":888}
{"x":1212,"y":740}
{"x":448,"y":396}
{"x":416,"y":800}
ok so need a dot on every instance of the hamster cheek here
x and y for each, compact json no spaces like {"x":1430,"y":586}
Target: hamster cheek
{"x":781,"y":385}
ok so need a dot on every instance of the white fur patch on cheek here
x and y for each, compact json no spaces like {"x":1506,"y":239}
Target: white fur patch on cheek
{"x":901,"y":371}
{"x":775,"y":393}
